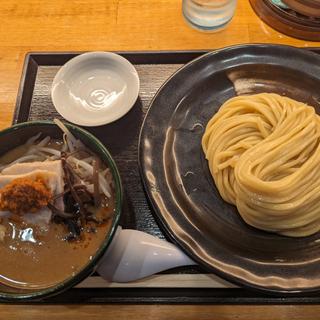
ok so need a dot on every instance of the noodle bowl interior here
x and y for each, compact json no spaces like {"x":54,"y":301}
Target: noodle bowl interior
{"x":263,"y":153}
{"x":56,"y":207}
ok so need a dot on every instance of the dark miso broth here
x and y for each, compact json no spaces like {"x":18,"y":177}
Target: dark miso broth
{"x":40,"y":256}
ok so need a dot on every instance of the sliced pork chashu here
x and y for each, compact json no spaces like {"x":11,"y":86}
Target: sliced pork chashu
{"x":50,"y":172}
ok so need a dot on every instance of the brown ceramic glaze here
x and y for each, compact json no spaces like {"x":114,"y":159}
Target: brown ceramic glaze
{"x":287,"y":20}
{"x":307,"y":7}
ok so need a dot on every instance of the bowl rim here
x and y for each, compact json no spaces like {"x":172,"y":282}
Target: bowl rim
{"x":90,"y":266}
{"x":91,"y":55}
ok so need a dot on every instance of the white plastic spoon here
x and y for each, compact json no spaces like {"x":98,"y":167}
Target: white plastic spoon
{"x":133,"y":255}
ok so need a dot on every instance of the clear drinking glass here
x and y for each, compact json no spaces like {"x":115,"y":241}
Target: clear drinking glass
{"x":208,"y":15}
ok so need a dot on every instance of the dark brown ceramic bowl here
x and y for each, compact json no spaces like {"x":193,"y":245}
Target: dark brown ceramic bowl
{"x":309,"y":8}
{"x":17,"y":135}
{"x":286,"y":20}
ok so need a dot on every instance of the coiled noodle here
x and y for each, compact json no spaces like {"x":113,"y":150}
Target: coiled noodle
{"x":264,"y":155}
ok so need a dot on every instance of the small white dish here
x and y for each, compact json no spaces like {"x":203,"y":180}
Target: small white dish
{"x":95,"y":88}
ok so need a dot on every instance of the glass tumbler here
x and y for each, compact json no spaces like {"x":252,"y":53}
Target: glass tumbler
{"x":208,"y":15}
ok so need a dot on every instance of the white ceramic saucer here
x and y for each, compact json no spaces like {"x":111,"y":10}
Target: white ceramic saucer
{"x":95,"y":88}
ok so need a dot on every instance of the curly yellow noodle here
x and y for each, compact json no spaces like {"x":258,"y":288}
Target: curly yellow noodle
{"x":263,"y":152}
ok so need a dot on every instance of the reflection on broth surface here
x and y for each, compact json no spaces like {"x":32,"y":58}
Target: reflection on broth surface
{"x":42,"y":260}
{"x":56,"y":202}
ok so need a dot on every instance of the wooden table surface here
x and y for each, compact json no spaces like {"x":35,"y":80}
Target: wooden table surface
{"x":84,"y":25}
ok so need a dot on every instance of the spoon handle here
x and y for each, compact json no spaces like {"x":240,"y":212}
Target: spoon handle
{"x":133,"y":255}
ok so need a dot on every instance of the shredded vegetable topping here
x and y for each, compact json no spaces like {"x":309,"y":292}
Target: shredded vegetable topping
{"x":88,"y":183}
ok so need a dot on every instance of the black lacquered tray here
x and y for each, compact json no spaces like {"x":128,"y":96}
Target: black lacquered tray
{"x":183,"y":285}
